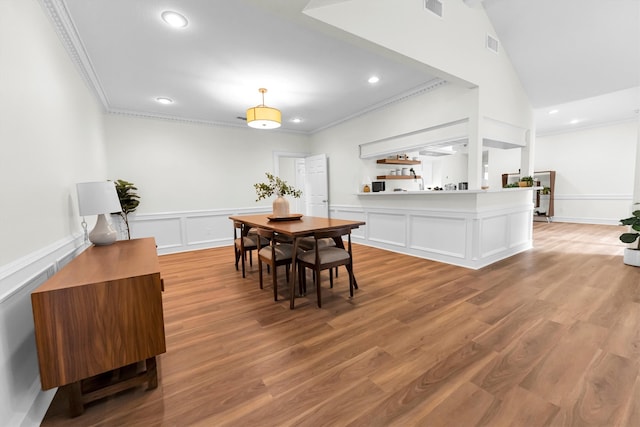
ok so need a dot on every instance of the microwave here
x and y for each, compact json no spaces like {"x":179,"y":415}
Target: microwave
{"x":377,"y":186}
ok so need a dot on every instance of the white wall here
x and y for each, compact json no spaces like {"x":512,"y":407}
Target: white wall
{"x":50,"y":138}
{"x":181,"y":166}
{"x":51,"y":133}
{"x":595,"y":171}
{"x":445,"y":104}
{"x":452,"y":46}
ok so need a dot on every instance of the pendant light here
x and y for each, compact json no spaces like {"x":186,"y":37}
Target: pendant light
{"x":263,"y":117}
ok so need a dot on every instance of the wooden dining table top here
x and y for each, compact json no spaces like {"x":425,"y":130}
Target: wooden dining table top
{"x":297,"y":227}
{"x":303,"y":226}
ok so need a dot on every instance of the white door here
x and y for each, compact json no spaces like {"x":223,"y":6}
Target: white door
{"x":301,"y":203}
{"x":317,"y":185}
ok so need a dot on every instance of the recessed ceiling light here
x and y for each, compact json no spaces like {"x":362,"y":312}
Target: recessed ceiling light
{"x":373,"y":79}
{"x":574,"y":121}
{"x":174,"y":19}
{"x":296,"y":120}
{"x":164,"y":100}
{"x":553,"y":112}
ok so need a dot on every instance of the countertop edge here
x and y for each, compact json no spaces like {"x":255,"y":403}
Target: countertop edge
{"x":431,"y":192}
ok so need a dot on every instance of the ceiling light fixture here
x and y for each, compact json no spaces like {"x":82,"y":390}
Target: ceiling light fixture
{"x":263,"y":117}
{"x":373,"y":79}
{"x":575,"y":121}
{"x":174,"y":19}
{"x":164,"y":100}
{"x":553,"y":112}
{"x":296,"y":120}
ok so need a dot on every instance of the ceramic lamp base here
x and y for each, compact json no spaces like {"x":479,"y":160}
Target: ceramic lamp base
{"x":103,"y":234}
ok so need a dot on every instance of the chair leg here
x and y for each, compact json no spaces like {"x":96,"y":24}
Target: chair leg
{"x":318,"y":289}
{"x":237,"y":254}
{"x":260,"y":272}
{"x":351,"y":281}
{"x":251,"y":258}
{"x":331,"y":278}
{"x":243,"y":257}
{"x":287,"y":271}
{"x":275,"y":282}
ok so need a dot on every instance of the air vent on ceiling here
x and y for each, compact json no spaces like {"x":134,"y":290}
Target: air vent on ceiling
{"x":492,"y":44}
{"x":434,"y":6}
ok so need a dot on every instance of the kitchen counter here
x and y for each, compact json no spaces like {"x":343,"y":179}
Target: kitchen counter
{"x":439,"y":192}
{"x":470,"y":228}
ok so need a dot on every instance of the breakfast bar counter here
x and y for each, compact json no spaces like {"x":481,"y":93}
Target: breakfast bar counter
{"x":469,"y":228}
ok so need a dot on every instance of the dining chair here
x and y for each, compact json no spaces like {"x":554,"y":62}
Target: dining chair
{"x":274,"y":255}
{"x":308,"y":243}
{"x":325,"y":258}
{"x":244,"y":242}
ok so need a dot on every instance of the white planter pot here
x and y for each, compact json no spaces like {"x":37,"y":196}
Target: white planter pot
{"x":632,"y":257}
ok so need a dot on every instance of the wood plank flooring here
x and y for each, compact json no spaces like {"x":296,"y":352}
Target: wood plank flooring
{"x":550,"y":337}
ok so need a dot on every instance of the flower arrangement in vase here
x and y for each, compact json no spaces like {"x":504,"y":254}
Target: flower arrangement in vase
{"x":275,"y":185}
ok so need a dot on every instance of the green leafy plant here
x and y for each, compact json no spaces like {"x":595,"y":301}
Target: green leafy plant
{"x":275,"y":185}
{"x":129,"y":200}
{"x":545,"y":190}
{"x":634,"y":222}
{"x":527,"y":179}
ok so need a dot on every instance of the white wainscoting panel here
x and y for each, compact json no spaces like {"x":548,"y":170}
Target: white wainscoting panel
{"x":388,"y":228}
{"x":463,"y":237}
{"x":22,"y":402}
{"x":520,"y":229}
{"x":438,"y":234}
{"x":167,"y":231}
{"x":494,"y":235}
{"x":212,"y":229}
{"x":359,"y":233}
{"x":191,"y":230}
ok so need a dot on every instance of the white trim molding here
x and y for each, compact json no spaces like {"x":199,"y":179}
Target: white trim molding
{"x":22,"y":402}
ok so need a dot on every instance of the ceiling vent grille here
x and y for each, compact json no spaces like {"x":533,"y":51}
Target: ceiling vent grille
{"x":493,"y":44}
{"x":434,"y":6}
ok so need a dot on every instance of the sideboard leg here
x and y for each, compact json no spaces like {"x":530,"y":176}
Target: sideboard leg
{"x":74,"y":392}
{"x":152,"y":373}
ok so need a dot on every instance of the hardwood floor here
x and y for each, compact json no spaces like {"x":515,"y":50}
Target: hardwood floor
{"x":550,"y":337}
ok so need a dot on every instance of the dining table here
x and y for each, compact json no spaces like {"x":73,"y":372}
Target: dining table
{"x":296,"y":226}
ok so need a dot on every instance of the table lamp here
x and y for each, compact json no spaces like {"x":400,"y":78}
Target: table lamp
{"x":99,"y":198}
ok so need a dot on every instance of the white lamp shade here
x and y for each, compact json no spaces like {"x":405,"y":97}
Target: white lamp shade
{"x":96,"y":198}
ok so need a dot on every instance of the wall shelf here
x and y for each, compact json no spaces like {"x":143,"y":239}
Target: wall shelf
{"x":397,"y":162}
{"x":398,"y":177}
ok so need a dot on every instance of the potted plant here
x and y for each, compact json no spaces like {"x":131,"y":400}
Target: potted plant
{"x":526,"y":181}
{"x":129,"y":201}
{"x":280,"y":188}
{"x":632,"y":255}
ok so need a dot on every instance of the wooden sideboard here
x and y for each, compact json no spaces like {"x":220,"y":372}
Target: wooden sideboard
{"x":101,"y":312}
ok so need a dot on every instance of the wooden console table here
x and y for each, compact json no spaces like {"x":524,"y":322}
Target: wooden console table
{"x":101,"y":312}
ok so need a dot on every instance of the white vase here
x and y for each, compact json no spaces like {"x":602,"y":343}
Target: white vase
{"x":632,"y":257}
{"x":280,"y":207}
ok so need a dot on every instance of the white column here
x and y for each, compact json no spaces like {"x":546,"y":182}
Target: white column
{"x":474,"y":145}
{"x":636,"y":181}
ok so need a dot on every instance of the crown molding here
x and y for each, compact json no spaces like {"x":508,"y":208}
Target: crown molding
{"x":57,"y":12}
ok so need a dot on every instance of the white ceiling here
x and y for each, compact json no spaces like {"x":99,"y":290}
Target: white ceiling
{"x":563,"y":50}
